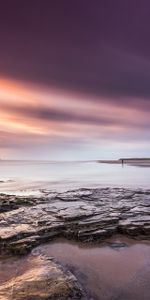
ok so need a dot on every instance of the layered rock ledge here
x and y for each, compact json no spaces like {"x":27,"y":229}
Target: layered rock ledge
{"x":85,"y":214}
{"x":44,"y":279}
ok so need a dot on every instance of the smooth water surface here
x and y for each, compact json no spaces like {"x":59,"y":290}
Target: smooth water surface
{"x":30,"y":176}
{"x":119,"y":272}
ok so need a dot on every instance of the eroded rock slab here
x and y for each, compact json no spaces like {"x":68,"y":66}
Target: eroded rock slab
{"x":43,"y":280}
{"x":83,"y":214}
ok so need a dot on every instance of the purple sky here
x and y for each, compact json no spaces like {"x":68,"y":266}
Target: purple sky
{"x":74,"y":79}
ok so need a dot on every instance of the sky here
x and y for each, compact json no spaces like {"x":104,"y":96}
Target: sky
{"x":74,"y":79}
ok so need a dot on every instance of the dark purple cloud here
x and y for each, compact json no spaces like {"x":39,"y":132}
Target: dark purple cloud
{"x":96,"y":47}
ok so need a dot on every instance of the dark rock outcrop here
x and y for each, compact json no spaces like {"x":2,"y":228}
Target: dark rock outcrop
{"x":85,"y":214}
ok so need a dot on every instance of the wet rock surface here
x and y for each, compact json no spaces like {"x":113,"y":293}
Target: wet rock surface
{"x":85,"y":214}
{"x":43,"y":279}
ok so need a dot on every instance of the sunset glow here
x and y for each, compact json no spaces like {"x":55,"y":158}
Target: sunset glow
{"x":57,"y":117}
{"x":64,"y":92}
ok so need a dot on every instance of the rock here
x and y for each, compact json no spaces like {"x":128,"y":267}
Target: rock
{"x":84,"y":214}
{"x":117,"y":245}
{"x":42,"y":281}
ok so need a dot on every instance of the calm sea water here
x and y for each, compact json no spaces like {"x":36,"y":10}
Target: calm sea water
{"x":32,"y":176}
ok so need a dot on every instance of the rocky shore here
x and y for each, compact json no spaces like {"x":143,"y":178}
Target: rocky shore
{"x":87,"y":215}
{"x":43,"y":279}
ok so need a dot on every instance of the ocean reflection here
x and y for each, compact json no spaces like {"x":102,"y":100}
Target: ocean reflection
{"x":29,"y":177}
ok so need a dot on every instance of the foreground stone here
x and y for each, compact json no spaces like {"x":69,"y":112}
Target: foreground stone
{"x":85,"y":214}
{"x":42,"y":281}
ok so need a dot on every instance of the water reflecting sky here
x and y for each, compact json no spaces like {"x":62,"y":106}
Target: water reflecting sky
{"x":32,"y":175}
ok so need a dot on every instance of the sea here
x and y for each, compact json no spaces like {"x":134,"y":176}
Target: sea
{"x":34,"y":177}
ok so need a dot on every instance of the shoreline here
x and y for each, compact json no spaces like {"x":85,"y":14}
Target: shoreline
{"x":91,"y":218}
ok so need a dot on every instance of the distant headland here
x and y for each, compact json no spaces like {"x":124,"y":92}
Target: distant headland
{"x":143,"y":162}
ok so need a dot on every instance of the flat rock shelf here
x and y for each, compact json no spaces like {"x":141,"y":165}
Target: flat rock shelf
{"x":85,"y":215}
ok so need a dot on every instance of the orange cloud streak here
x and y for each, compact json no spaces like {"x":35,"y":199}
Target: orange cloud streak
{"x":17,"y":97}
